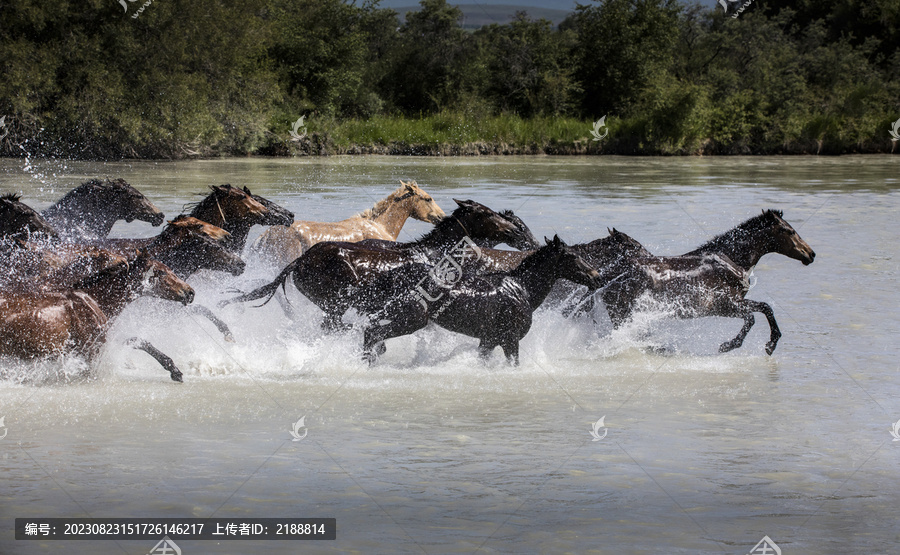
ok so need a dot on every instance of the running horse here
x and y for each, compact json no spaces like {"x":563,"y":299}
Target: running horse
{"x":495,"y":308}
{"x":17,"y":219}
{"x":280,"y":245}
{"x":236,"y":211}
{"x":711,"y":280}
{"x":36,"y":323}
{"x":90,"y":210}
{"x":329,"y":273}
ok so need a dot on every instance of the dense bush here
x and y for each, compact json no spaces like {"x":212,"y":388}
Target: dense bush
{"x":204,"y":77}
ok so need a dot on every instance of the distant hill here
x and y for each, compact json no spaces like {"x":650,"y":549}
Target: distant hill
{"x":479,"y":15}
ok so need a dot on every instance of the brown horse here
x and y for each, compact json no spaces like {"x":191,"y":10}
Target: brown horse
{"x":75,"y":319}
{"x":281,"y":245}
{"x":330,"y":272}
{"x":708,"y":281}
{"x":90,"y":210}
{"x":236,"y":211}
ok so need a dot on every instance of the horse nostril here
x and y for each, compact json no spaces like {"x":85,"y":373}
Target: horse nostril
{"x":188,"y":297}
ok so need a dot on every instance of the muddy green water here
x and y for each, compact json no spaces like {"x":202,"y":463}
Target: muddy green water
{"x":430,"y":451}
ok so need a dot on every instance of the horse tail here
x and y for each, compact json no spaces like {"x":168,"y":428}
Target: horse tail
{"x":267,"y":290}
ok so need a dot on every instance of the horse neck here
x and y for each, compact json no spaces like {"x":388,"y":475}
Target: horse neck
{"x":443,"y":236}
{"x":393,"y":217}
{"x":88,"y":216}
{"x":112,"y":291}
{"x":538,"y":274}
{"x":236,"y":226}
{"x":741,"y":245}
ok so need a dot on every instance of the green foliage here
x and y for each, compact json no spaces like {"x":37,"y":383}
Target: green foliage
{"x":188,"y":77}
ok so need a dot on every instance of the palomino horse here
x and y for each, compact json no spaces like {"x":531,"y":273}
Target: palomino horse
{"x":75,"y":319}
{"x":236,"y":211}
{"x":17,"y":219}
{"x":708,"y":281}
{"x":495,"y":308}
{"x":90,"y":210}
{"x":329,"y":273}
{"x":281,"y":245}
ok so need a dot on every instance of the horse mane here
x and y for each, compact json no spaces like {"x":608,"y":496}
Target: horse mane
{"x":209,"y":199}
{"x":752,"y":224}
{"x":443,"y":226}
{"x":11,"y":197}
{"x":382,"y":205}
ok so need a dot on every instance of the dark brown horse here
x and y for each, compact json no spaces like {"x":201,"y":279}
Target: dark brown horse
{"x":17,"y":219}
{"x":187,"y":245}
{"x":75,"y":319}
{"x":708,"y":281}
{"x":90,"y":210}
{"x":236,"y":211}
{"x":329,"y":272}
{"x":495,"y":308}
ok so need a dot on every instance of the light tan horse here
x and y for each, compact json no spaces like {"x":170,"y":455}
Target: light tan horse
{"x":281,"y":245}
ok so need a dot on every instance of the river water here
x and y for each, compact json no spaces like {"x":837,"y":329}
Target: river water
{"x":430,"y":451}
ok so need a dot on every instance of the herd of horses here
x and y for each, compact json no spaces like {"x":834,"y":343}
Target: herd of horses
{"x":65,"y":281}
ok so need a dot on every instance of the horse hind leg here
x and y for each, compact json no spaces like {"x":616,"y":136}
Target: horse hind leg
{"x":404,"y":321}
{"x":738,"y":340}
{"x":485,"y":349}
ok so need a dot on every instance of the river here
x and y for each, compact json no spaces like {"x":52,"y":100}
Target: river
{"x":430,"y":451}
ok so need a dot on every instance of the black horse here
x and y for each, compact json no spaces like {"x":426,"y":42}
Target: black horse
{"x":18,"y":220}
{"x":329,"y":272}
{"x":495,"y":308}
{"x":712,"y":280}
{"x":90,"y":210}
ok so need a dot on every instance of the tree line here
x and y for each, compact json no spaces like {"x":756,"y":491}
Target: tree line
{"x":103,"y":79}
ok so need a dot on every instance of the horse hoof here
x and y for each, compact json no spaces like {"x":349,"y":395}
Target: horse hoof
{"x":770,"y":348}
{"x":727,"y":346}
{"x":229,"y":338}
{"x":177,"y":376}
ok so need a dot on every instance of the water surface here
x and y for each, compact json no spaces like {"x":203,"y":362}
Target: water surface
{"x":431,"y":451}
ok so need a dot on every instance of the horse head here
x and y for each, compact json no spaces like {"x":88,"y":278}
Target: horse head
{"x":188,"y":244}
{"x":566,"y":263}
{"x":785,"y":240}
{"x":277,"y":215}
{"x":225,"y":205}
{"x":421,"y":205}
{"x":159,"y":280}
{"x":480,"y":222}
{"x":119,"y":197}
{"x":19,"y":219}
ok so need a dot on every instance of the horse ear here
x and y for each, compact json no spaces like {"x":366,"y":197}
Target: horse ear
{"x":546,"y":241}
{"x":557,"y":241}
{"x":247,"y":190}
{"x":465,"y":203}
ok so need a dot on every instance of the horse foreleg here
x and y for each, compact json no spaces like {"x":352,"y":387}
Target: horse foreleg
{"x":774,"y":332}
{"x":220,"y":325}
{"x":511,"y":350}
{"x":161,"y":358}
